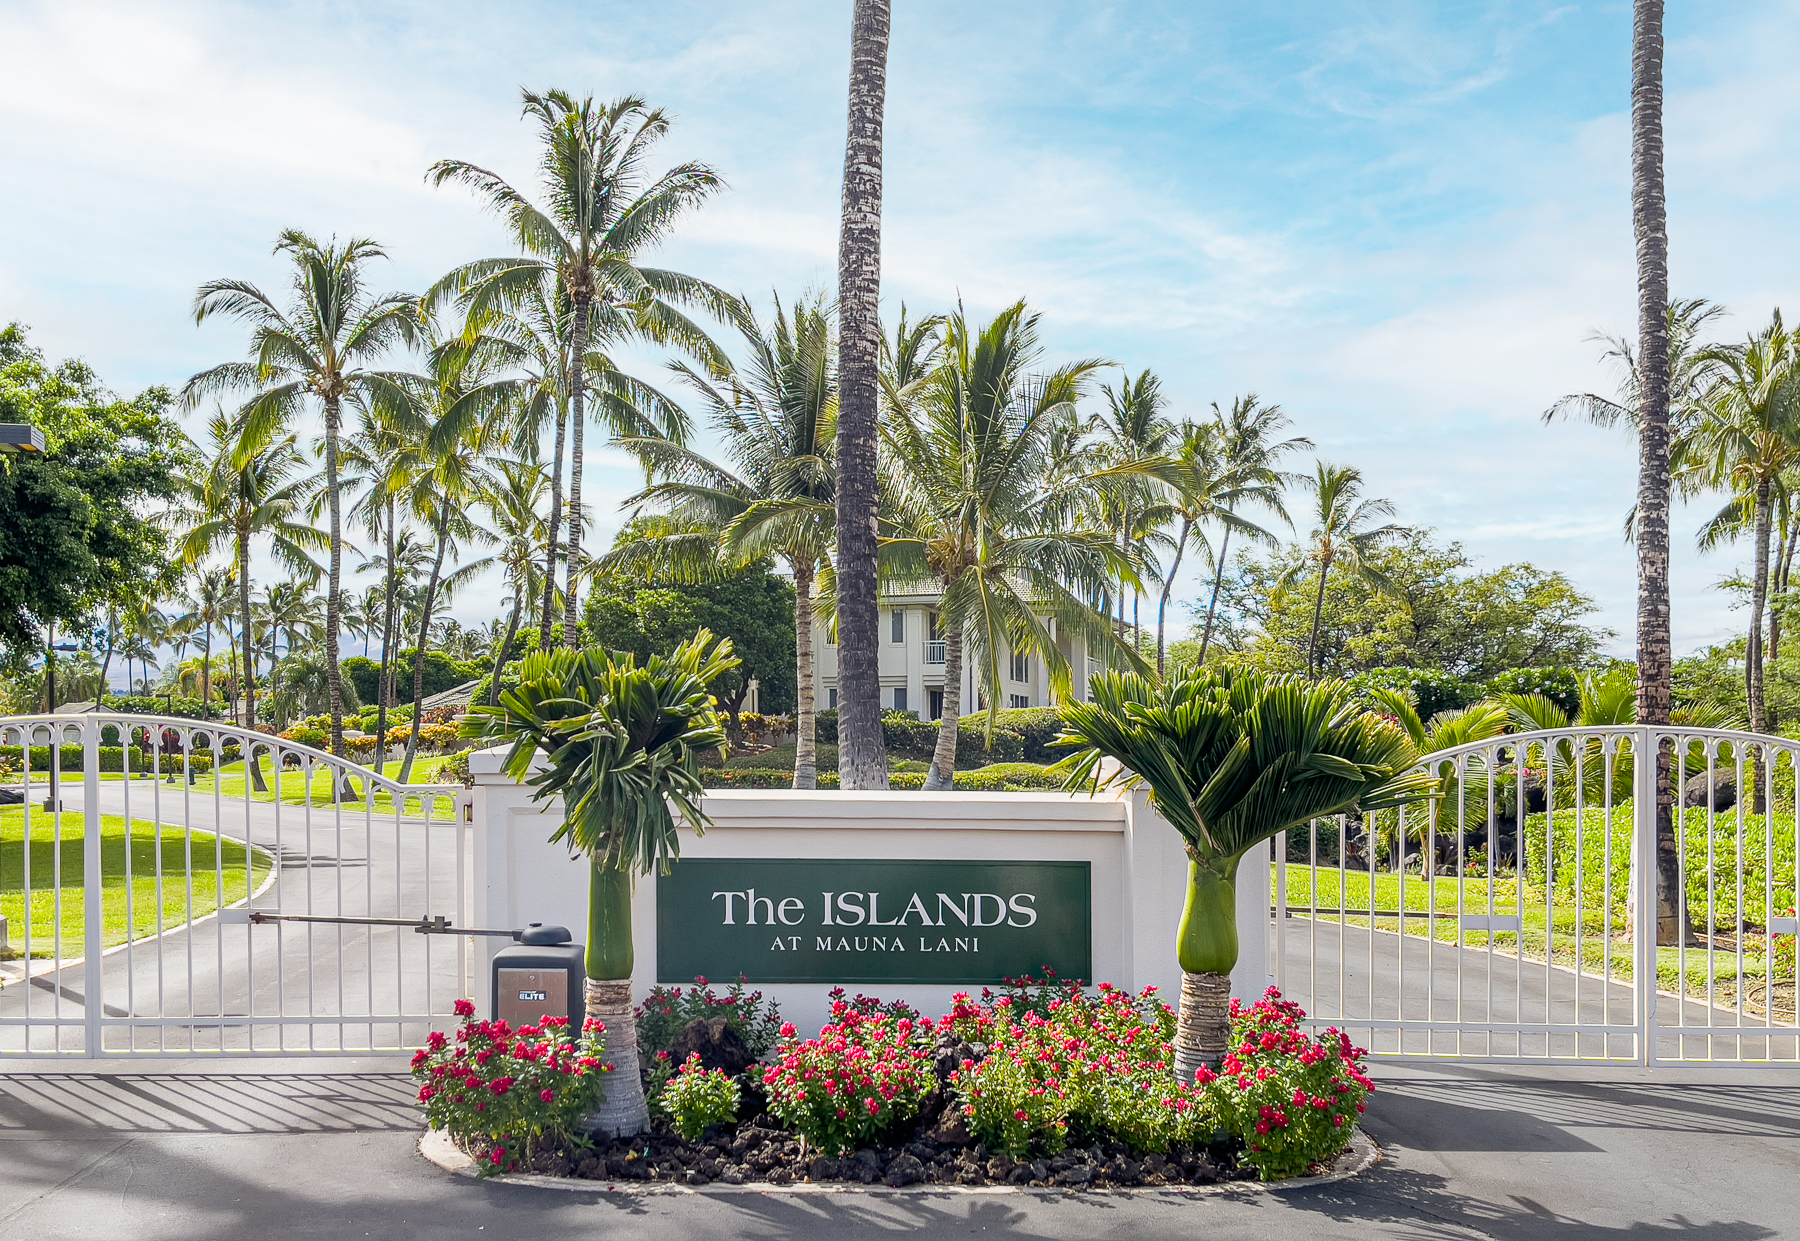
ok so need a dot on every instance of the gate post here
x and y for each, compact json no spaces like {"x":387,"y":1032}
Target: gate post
{"x":1643,"y":891}
{"x":91,"y":882}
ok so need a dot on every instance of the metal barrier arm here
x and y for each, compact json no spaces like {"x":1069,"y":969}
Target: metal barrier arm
{"x":439,"y":925}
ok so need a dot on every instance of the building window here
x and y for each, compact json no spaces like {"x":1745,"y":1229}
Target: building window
{"x":900,"y":698}
{"x":898,"y":633}
{"x":1021,"y":668}
{"x":831,"y":695}
{"x":931,"y":627}
{"x":935,"y":699}
{"x":1021,"y":700}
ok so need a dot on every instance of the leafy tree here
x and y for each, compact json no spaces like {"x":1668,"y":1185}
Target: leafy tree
{"x":1436,"y":615}
{"x":1232,"y":759}
{"x":621,"y":745}
{"x":752,"y":607}
{"x":76,"y":533}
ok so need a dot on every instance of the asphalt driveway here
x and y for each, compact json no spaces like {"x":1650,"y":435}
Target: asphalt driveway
{"x":327,"y":1149}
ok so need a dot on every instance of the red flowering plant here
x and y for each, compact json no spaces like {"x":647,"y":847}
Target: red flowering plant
{"x":510,"y":1088}
{"x":1293,"y":1098}
{"x":1100,"y":1061}
{"x":865,"y":1071}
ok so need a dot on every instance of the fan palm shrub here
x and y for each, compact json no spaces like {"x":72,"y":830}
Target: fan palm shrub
{"x":1231,"y":759}
{"x":621,"y":744}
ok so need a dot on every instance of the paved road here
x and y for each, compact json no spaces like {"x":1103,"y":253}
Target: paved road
{"x":327,"y":1150}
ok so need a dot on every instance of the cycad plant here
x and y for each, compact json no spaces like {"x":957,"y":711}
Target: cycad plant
{"x":621,"y":745}
{"x":1231,"y":759}
{"x":1462,"y":787}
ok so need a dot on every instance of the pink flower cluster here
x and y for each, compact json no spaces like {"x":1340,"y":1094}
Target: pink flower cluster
{"x":509,"y":1087}
{"x":1292,"y":1096}
{"x":861,"y":1073}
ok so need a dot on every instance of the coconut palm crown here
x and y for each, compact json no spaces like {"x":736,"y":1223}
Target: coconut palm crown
{"x":1231,"y":759}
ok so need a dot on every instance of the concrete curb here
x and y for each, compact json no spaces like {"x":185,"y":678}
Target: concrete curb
{"x":435,"y":1145}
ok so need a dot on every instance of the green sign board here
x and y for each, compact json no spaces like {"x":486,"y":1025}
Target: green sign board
{"x":853,"y":920}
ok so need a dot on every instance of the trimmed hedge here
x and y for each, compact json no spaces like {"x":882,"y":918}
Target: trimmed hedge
{"x":997,"y":778}
{"x":112,"y":758}
{"x":1037,"y":728}
{"x":150,"y":704}
{"x":781,"y":758}
{"x":909,"y":737}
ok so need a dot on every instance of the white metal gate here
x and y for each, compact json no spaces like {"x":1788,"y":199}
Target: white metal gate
{"x":1503,"y":921}
{"x":157,"y":901}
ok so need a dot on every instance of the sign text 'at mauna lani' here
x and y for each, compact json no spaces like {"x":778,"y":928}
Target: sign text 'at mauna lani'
{"x":854,"y":920}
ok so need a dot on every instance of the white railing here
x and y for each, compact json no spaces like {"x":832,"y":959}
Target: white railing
{"x":217,"y":890}
{"x":935,"y":652}
{"x":1507,"y":919}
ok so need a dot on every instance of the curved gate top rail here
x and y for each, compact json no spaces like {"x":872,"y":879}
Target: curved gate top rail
{"x":1510,"y":918}
{"x":135,"y":850}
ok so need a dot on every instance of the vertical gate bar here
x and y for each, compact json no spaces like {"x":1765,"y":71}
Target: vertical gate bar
{"x":281,"y":1008}
{"x":1550,"y":869}
{"x":218,"y":825}
{"x":465,"y":834}
{"x":1768,"y":904}
{"x":1643,"y":843}
{"x":92,"y":884}
{"x":56,"y":875}
{"x":25,"y":876}
{"x":306,"y":816}
{"x":1428,"y":872}
{"x":130,"y":884}
{"x":252,"y":762}
{"x":1491,"y":764}
{"x":1462,"y":878}
{"x":1312,"y":915}
{"x":1281,"y":912}
{"x":1609,"y":752}
{"x":162,"y":1008}
{"x":1580,"y":875}
{"x":187,"y":871}
{"x":1371,"y":822}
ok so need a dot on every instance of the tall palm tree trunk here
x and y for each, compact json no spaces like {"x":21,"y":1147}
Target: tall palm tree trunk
{"x":550,"y":546}
{"x":577,"y":415}
{"x":1212,"y":606}
{"x":1655,"y":653}
{"x":862,"y":758}
{"x":806,"y":756}
{"x":418,"y":694}
{"x":1759,"y":596}
{"x":1162,"y":605}
{"x":1312,"y":643}
{"x":252,"y":761}
{"x":943,"y":759}
{"x":384,"y":681}
{"x":206,"y":670}
{"x":334,"y":597}
{"x":512,"y":632}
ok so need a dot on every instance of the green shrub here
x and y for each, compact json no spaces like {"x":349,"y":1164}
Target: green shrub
{"x":511,"y":1088}
{"x":1292,"y":1098}
{"x":864,"y":1073}
{"x":1037,"y":728}
{"x":667,"y":1011}
{"x":149,"y":704}
{"x":1767,"y":856}
{"x":1559,"y":685}
{"x":1006,"y":777}
{"x":825,"y":727}
{"x":696,"y":1099}
{"x":781,"y":758}
{"x":1059,"y":1059}
{"x":1436,"y":691}
{"x":112,"y":758}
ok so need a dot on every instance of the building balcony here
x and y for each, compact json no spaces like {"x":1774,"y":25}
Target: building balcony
{"x":934,"y":653}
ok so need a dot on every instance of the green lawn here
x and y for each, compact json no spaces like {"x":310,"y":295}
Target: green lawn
{"x":295,"y":789}
{"x":1573,"y":936}
{"x":128,"y":909}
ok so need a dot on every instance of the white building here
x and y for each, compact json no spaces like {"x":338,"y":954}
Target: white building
{"x":912,"y":661}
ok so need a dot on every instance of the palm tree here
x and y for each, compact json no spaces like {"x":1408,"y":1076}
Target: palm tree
{"x":1343,"y":534}
{"x":454,"y":413}
{"x":1134,"y":433}
{"x":208,"y":604}
{"x":1231,"y":760}
{"x":777,"y":417}
{"x":1249,"y":474}
{"x":1747,"y":441}
{"x":629,"y":755}
{"x":603,"y":213}
{"x":973,"y":507}
{"x":403,"y":565}
{"x":249,"y":490}
{"x":296,"y":618}
{"x":323,"y":347}
{"x":862,"y":754}
{"x":512,"y":504}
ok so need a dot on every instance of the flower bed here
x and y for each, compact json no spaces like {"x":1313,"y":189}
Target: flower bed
{"x":1045,"y":1084}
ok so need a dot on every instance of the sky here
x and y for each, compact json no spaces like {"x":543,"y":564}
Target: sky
{"x":1401,"y":221}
